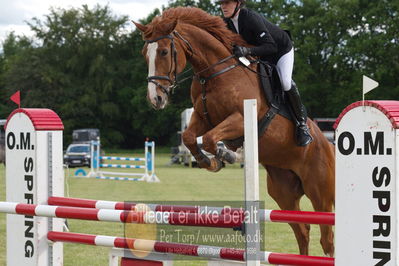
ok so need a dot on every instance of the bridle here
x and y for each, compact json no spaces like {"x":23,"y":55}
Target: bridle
{"x":197,"y":76}
{"x":173,"y":83}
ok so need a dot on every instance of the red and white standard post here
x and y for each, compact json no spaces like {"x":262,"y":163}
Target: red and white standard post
{"x":33,"y":150}
{"x":366,"y":213}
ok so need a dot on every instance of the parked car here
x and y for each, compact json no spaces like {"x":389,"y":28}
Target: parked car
{"x":326,"y":126}
{"x":77,"y":155}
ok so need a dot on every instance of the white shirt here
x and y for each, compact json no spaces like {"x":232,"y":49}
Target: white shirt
{"x":235,"y":21}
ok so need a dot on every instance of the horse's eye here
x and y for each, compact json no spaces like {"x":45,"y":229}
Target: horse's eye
{"x":164,"y":52}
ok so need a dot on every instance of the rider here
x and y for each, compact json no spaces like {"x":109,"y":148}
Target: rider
{"x":271,"y":44}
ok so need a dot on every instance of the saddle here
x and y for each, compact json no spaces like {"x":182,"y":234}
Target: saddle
{"x":275,"y":97}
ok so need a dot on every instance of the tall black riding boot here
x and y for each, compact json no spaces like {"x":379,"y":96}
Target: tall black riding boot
{"x":303,"y":136}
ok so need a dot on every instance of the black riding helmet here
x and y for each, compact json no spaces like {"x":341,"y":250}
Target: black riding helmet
{"x":221,"y":1}
{"x":240,"y":3}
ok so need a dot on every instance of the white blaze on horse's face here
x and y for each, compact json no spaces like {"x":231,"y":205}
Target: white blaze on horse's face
{"x":151,"y":55}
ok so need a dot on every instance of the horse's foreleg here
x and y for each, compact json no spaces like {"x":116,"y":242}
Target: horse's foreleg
{"x":198,"y":128}
{"x":231,"y":128}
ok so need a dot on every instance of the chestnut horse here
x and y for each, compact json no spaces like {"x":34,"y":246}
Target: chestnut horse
{"x":219,"y":86}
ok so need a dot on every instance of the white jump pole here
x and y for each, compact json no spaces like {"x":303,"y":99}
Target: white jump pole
{"x":149,"y":164}
{"x":252,"y":227}
{"x":34,"y":172}
{"x":367,"y":149}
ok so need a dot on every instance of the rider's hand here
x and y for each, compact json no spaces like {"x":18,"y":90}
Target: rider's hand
{"x":241,"y":51}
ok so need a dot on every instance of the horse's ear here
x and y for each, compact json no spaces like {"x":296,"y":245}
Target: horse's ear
{"x":169,"y":27}
{"x":141,"y":27}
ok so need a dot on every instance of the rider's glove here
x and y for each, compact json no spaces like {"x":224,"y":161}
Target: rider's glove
{"x":241,"y":51}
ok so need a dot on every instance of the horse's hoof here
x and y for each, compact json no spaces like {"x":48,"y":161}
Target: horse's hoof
{"x":226,"y":155}
{"x":215,"y":166}
{"x":203,"y":162}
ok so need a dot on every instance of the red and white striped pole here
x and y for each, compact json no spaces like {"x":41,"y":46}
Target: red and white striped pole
{"x":265,"y":215}
{"x":113,"y":205}
{"x":149,"y":217}
{"x":149,"y":245}
{"x":185,"y":249}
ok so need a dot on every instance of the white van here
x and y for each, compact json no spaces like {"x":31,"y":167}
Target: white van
{"x":181,"y":154}
{"x":326,"y":126}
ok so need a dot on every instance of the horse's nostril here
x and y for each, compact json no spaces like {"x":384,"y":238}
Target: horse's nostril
{"x":159,"y":99}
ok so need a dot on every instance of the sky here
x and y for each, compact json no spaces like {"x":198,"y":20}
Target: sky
{"x":14,"y":14}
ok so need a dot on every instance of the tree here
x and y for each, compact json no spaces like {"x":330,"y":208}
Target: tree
{"x":206,"y":5}
{"x":373,"y":46}
{"x":15,"y":48}
{"x":335,"y":46}
{"x":79,"y":68}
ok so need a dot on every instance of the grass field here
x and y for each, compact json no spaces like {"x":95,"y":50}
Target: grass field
{"x":178,"y":183}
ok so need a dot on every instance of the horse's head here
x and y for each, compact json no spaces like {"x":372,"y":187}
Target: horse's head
{"x":165,"y":58}
{"x":169,"y":39}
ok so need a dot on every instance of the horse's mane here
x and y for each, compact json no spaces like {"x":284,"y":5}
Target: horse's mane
{"x":196,"y":17}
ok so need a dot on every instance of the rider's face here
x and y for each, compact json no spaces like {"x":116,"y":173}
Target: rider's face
{"x":228,"y":8}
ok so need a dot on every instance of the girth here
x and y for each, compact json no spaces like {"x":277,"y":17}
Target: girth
{"x":274,"y":102}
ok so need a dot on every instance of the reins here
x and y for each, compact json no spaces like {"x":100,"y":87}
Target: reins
{"x":197,"y":75}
